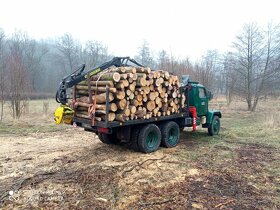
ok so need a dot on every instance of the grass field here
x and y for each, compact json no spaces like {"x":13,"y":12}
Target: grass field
{"x":48,"y":166}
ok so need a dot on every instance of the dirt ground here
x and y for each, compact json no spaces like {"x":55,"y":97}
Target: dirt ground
{"x":43,"y":166}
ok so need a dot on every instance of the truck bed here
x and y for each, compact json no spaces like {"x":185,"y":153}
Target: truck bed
{"x":87,"y":123}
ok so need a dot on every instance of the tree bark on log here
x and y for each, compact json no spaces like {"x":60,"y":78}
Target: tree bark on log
{"x":93,"y":88}
{"x":112,"y":76}
{"x":99,"y":83}
{"x":100,"y":99}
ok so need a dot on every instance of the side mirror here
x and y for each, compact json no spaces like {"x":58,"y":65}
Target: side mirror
{"x":209,"y":95}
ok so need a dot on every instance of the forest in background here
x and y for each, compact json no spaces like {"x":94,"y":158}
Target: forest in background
{"x":32,"y":69}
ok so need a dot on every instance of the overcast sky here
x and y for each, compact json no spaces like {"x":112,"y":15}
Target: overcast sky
{"x":187,"y":28}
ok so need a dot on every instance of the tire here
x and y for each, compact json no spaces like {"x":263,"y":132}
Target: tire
{"x":170,"y":134}
{"x":149,"y":138}
{"x":214,"y":127}
{"x":134,"y":139}
{"x":108,"y":138}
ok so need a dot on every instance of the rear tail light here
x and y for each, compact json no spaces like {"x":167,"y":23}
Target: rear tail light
{"x":103,"y":130}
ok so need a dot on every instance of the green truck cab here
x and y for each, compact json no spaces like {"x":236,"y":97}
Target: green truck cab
{"x":198,"y":96}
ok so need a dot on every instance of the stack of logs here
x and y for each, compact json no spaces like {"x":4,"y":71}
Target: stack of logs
{"x":134,"y":93}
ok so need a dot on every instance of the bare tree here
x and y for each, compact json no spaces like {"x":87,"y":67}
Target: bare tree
{"x":256,"y":54}
{"x":69,"y":51}
{"x":163,"y":60}
{"x":2,"y":73}
{"x":144,"y":55}
{"x":18,"y":86}
{"x":228,"y":77}
{"x":206,"y":70}
{"x":95,"y":53}
{"x":33,"y":55}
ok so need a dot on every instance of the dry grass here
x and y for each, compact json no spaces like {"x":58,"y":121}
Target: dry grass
{"x":36,"y":119}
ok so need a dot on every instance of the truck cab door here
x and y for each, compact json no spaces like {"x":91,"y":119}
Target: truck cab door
{"x":202,"y":106}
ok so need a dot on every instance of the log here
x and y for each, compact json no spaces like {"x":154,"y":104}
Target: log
{"x":132,"y":116}
{"x":119,"y":86}
{"x":166,"y":83}
{"x":135,"y":102}
{"x":164,"y":107}
{"x":132,"y":87}
{"x":121,"y":117}
{"x":141,"y":82}
{"x":80,"y":93}
{"x":77,"y":104}
{"x":99,"y":89}
{"x":134,"y":77}
{"x":111,"y":117}
{"x":112,"y":106}
{"x":139,"y":97}
{"x":140,"y":113}
{"x":125,"y":112}
{"x":143,"y":75}
{"x":164,"y":74}
{"x":162,"y":94}
{"x":131,"y":96}
{"x":121,"y":104}
{"x":124,"y":82}
{"x":130,"y":80}
{"x":158,"y":88}
{"x":157,"y":100}
{"x":112,"y":76}
{"x":158,"y":81}
{"x":123,"y":76}
{"x":155,"y":111}
{"x":99,"y":83}
{"x":146,"y":89}
{"x":143,"y":70}
{"x":132,"y":109}
{"x":151,"y":81}
{"x":120,"y":95}
{"x":128,"y":92}
{"x":122,"y":69}
{"x":86,"y":116}
{"x":149,"y":115}
{"x":147,"y":83}
{"x":159,"y":104}
{"x":151,"y":105}
{"x":174,"y":95}
{"x":152,"y":87}
{"x":101,"y":98}
{"x":97,"y":112}
{"x":81,"y":108}
{"x":129,"y":69}
{"x":152,"y":96}
{"x":144,"y":98}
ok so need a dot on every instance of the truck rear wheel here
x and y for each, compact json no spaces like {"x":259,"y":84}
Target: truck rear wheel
{"x":108,"y":138}
{"x":214,"y":127}
{"x":149,"y":138}
{"x":170,"y":134}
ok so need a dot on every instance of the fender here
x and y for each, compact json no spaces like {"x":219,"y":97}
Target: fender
{"x":209,"y":117}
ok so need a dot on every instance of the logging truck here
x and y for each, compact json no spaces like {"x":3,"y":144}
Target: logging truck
{"x":122,"y":101}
